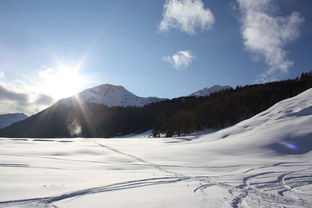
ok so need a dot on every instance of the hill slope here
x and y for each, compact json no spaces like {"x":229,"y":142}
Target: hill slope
{"x":8,"y":119}
{"x":184,"y":115}
{"x":285,"y":128}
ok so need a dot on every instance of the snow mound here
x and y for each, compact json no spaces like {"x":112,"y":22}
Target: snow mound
{"x":284,"y":128}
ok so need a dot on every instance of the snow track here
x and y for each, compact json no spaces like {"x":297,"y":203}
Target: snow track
{"x":140,"y":160}
{"x":47,"y":201}
{"x":264,"y":161}
{"x":275,"y":184}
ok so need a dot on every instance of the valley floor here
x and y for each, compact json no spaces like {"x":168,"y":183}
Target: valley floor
{"x":176,"y":172}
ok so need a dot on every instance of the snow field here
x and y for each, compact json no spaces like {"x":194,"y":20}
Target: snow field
{"x":264,"y":161}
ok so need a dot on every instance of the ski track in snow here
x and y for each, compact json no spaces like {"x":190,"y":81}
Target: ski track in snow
{"x":47,"y":201}
{"x":247,"y":187}
{"x":140,"y":160}
{"x":264,"y":161}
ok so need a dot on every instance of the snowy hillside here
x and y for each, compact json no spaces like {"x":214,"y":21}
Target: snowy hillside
{"x":208,"y":90}
{"x":112,"y":95}
{"x":284,"y":128}
{"x":264,"y":161}
{"x":8,"y":119}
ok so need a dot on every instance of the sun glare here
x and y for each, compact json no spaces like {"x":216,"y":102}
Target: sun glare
{"x":61,"y":82}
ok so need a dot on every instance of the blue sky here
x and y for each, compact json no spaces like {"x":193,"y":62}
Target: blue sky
{"x":165,"y":48}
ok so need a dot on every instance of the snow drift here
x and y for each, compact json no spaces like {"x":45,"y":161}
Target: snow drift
{"x":285,"y":128}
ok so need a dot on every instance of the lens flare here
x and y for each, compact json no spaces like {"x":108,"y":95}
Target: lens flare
{"x":289,"y":145}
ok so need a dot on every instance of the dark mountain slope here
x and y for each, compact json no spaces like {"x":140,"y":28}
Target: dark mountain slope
{"x":232,"y":106}
{"x":173,"y":117}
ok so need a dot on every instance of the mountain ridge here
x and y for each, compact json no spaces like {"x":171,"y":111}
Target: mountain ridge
{"x":178,"y":116}
{"x":10,"y":118}
{"x":209,"y":90}
{"x":112,"y":96}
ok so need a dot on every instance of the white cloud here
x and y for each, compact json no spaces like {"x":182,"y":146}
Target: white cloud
{"x":186,"y":15}
{"x":34,"y":92}
{"x":266,"y":35}
{"x":15,"y":99}
{"x":180,"y":60}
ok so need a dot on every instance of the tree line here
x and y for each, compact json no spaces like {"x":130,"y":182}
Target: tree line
{"x":172,"y":117}
{"x":226,"y":108}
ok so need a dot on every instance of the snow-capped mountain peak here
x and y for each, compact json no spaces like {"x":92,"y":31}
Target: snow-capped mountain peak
{"x":114,"y":95}
{"x":209,"y":90}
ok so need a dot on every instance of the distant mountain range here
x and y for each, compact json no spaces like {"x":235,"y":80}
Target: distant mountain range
{"x":209,"y":90}
{"x":115,"y":95}
{"x":108,"y":111}
{"x":103,"y":96}
{"x":8,"y":119}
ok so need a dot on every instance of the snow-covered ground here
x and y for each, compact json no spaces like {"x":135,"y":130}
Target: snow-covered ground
{"x":264,"y":161}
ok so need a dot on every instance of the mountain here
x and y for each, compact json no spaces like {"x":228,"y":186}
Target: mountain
{"x":83,"y":117}
{"x":209,"y":90}
{"x":112,"y":95}
{"x":8,"y":119}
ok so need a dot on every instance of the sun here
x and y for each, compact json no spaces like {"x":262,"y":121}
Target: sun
{"x":62,"y":81}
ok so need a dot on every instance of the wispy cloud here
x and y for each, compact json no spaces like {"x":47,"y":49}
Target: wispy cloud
{"x":180,"y":60}
{"x":186,"y":15}
{"x":14,"y":100}
{"x":7,"y":94}
{"x":266,"y":35}
{"x":34,"y":92}
{"x":44,"y":99}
